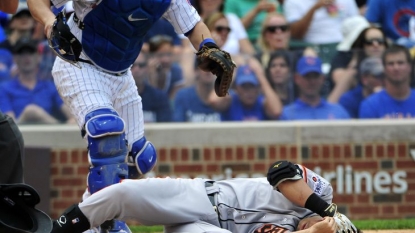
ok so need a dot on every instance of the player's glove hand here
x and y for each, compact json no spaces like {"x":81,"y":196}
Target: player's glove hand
{"x":63,"y":42}
{"x":344,"y":225}
{"x":211,"y":58}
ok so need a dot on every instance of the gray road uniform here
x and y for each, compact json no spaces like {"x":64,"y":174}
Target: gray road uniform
{"x":241,"y":205}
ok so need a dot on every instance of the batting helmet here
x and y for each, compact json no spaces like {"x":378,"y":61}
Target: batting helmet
{"x":18,"y":213}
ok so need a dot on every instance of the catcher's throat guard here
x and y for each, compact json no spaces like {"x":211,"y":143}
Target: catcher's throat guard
{"x":63,"y":43}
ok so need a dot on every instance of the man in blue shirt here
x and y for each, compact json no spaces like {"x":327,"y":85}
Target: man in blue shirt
{"x":253,"y":98}
{"x":26,"y":98}
{"x":310,"y":105}
{"x":191,"y":103}
{"x":397,"y":100}
{"x":393,"y":16}
{"x":156,"y":105}
{"x":371,"y":78}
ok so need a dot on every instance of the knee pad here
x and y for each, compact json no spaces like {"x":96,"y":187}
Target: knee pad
{"x":143,"y":157}
{"x":281,"y":171}
{"x":107,"y":147}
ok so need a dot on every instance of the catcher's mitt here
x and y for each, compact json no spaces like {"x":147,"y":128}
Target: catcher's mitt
{"x":63,"y":42}
{"x":211,"y":58}
{"x":344,"y":225}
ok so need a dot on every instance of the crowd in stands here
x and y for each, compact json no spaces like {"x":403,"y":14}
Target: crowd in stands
{"x":296,"y":60}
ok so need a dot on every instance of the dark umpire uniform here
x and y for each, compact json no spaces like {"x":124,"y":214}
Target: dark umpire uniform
{"x":11,"y":151}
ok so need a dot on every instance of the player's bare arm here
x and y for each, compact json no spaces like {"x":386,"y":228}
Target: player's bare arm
{"x":9,"y":6}
{"x":40,"y":10}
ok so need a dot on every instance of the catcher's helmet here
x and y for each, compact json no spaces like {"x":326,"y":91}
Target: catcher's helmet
{"x":18,"y":213}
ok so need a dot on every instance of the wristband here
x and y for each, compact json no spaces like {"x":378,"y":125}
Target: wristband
{"x":208,"y":40}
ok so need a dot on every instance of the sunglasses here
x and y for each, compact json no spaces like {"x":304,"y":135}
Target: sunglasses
{"x":140,"y":64}
{"x":372,"y":41}
{"x":273,"y":29}
{"x":222,"y":28}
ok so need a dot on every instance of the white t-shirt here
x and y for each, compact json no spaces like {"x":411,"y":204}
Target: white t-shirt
{"x":237,"y":33}
{"x":324,"y":28}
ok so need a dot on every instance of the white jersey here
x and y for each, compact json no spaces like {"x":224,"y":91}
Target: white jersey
{"x":182,"y":205}
{"x":91,"y":87}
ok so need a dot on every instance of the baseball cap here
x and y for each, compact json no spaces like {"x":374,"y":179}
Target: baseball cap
{"x":244,"y":74}
{"x":309,"y":64}
{"x":25,"y":44}
{"x":372,"y":66}
{"x":351,"y":29}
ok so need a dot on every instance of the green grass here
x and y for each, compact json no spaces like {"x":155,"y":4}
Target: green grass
{"x":385,"y":224}
{"x":362,"y":224}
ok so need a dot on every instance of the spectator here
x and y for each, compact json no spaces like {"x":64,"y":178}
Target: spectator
{"x":280,"y":77}
{"x":191,"y":103}
{"x":156,"y":105}
{"x":27,"y":98}
{"x":163,"y":27}
{"x":220,"y":29}
{"x":253,"y":98}
{"x":397,"y":99}
{"x":21,"y":25}
{"x":238,"y":41}
{"x":371,"y":80}
{"x":371,"y":42}
{"x":310,"y":105}
{"x":393,"y":16}
{"x":164,"y":73}
{"x":318,"y":22}
{"x":275,"y":36}
{"x":252,"y":13}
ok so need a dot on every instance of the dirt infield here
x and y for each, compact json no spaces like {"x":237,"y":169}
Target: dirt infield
{"x":389,"y":231}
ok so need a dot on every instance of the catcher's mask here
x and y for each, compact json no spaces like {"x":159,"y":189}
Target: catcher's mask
{"x":63,"y":43}
{"x":18,"y":213}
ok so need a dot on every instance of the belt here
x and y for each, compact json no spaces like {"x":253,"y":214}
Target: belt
{"x":90,"y":62}
{"x":78,"y":22}
{"x":212,"y":195}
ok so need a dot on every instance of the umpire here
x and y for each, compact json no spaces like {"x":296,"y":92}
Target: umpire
{"x":11,"y":151}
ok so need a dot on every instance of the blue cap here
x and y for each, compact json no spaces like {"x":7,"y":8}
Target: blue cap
{"x":244,"y":74}
{"x":309,"y":64}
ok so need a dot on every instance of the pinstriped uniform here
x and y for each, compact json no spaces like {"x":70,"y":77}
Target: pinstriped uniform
{"x":89,"y":88}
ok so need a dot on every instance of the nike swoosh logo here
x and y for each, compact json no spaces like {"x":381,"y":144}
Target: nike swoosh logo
{"x":130,"y":18}
{"x":151,"y":159}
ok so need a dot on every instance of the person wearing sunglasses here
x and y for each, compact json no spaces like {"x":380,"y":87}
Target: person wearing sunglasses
{"x":238,"y":41}
{"x":344,"y":73}
{"x":218,"y":25}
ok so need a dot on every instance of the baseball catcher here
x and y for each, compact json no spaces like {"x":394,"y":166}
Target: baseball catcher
{"x":211,"y":58}
{"x":17,"y":210}
{"x":105,"y":37}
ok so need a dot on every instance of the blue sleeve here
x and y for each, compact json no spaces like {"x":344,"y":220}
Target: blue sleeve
{"x":343,"y":114}
{"x":4,"y":19}
{"x":366,"y":110}
{"x":374,"y":11}
{"x":164,"y":111}
{"x":56,"y":98}
{"x":179,"y":114}
{"x":283,"y":116}
{"x":5,"y":104}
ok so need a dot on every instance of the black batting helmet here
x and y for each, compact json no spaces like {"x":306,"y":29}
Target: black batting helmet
{"x":18,"y":213}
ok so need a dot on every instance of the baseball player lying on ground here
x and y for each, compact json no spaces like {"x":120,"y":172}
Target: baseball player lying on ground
{"x":96,"y":46}
{"x":243,"y":205}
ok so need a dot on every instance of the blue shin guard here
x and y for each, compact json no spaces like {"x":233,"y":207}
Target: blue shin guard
{"x":142,"y":158}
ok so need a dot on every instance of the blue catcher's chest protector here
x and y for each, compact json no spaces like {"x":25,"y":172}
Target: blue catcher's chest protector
{"x":114,"y":30}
